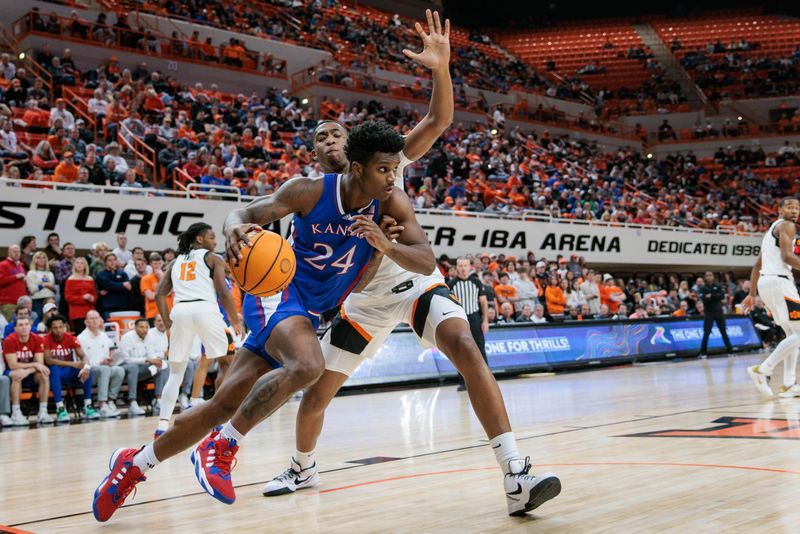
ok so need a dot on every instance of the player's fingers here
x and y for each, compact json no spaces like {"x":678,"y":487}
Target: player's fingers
{"x":447,"y":29}
{"x":437,"y":22}
{"x":420,"y":30}
{"x":429,"y":16}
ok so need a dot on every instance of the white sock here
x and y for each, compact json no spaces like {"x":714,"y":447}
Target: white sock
{"x":146,"y":459}
{"x":194,"y":401}
{"x":43,"y":407}
{"x":228,"y":432}
{"x":87,"y":402}
{"x":305,"y":459}
{"x":59,"y":405}
{"x":163,"y":424}
{"x":15,"y":409}
{"x":785,"y":348}
{"x":505,"y":450}
{"x":790,"y":370}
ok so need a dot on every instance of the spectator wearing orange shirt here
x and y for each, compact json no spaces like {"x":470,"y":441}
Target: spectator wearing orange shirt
{"x":554,"y":296}
{"x":682,"y":311}
{"x":518,"y":199}
{"x":66,"y":171}
{"x":58,"y":141}
{"x":504,"y":291}
{"x":38,"y":120}
{"x":153,"y":103}
{"x":44,"y":157}
{"x":149,"y":284}
{"x":610,"y":294}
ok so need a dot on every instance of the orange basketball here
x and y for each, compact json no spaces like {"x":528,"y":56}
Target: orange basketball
{"x":267,"y":265}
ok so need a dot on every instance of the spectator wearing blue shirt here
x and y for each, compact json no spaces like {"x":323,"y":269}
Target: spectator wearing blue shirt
{"x":213,"y":178}
{"x":23,"y":312}
{"x":457,"y":190}
{"x":113,"y":287}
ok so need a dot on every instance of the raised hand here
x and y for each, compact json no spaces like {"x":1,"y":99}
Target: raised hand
{"x":436,"y":43}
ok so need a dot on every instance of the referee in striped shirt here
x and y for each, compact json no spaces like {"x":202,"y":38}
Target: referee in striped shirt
{"x":469,"y":291}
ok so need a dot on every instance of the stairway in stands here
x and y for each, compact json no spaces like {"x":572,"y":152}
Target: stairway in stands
{"x":672,"y":67}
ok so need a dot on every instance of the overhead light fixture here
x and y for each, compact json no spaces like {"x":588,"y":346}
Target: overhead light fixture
{"x":22,"y":55}
{"x":649,"y":155}
{"x":304,"y":101}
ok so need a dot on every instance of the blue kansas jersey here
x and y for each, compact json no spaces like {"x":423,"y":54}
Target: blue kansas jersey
{"x":330,"y":262}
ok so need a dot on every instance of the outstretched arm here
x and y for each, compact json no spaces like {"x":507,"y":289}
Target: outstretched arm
{"x":298,"y":195}
{"x":435,"y":55}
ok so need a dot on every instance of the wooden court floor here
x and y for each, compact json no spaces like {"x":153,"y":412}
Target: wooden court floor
{"x":675,"y":447}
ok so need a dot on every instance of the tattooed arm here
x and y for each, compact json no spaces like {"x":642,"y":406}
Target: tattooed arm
{"x":298,"y":195}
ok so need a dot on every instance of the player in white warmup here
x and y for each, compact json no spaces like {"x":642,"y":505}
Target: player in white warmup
{"x":772,"y":277}
{"x":197,"y":276}
{"x":389,"y":295}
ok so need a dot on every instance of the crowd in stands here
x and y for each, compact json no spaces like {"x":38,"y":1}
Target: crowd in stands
{"x":730,"y":72}
{"x":360,"y":40}
{"x":253,"y":144}
{"x":357,"y":39}
{"x":572,"y":178}
{"x":232,"y":53}
{"x":54,"y":304}
{"x":527,"y":289}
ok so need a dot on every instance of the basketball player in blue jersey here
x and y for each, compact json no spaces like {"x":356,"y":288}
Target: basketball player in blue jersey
{"x":423,"y":301}
{"x":334,"y":239}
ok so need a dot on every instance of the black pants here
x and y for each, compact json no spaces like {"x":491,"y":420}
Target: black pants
{"x":708,"y":324}
{"x":475,"y":321}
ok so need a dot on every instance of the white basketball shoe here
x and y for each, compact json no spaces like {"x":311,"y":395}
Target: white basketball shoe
{"x":526,"y":492}
{"x":760,"y":380}
{"x":292,"y":480}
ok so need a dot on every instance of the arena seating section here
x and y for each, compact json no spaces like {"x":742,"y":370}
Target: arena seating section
{"x":722,"y":68}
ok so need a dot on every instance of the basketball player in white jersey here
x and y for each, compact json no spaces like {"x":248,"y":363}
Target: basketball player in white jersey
{"x":197,"y":276}
{"x":772,"y":277}
{"x":388,"y":295}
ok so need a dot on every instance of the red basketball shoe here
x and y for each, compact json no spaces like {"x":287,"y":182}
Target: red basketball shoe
{"x":114,"y":489}
{"x":213,"y":460}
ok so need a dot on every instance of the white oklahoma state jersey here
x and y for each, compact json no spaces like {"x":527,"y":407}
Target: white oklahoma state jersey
{"x":191,"y":278}
{"x":771,"y":260}
{"x":385,"y":285}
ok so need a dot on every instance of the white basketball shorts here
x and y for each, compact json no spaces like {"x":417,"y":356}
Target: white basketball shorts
{"x":360,"y":328}
{"x":780,"y":296}
{"x":198,"y":319}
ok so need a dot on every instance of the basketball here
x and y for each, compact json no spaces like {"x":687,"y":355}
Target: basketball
{"x":267,"y":265}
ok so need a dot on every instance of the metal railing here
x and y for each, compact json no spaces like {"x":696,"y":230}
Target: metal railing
{"x":150,"y":44}
{"x":332,"y":74}
{"x":139,"y":148}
